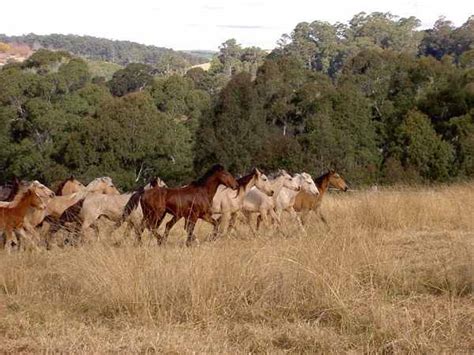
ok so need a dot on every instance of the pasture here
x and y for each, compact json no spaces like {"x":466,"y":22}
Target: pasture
{"x":392,"y":273}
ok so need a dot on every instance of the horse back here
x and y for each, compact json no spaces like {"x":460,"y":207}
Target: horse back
{"x":188,"y":201}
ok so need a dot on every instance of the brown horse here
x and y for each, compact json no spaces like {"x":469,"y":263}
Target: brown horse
{"x":306,"y":202}
{"x":8,"y":192}
{"x":193,"y":202}
{"x":12,"y":215}
{"x":69,"y":186}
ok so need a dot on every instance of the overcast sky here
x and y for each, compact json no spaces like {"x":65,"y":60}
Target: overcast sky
{"x":204,"y":24}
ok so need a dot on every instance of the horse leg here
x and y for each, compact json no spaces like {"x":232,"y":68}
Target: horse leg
{"x":190,"y":230}
{"x":294,"y":215}
{"x":32,"y":231}
{"x":221,"y":227}
{"x":233,"y":219}
{"x":216,"y":224}
{"x":168,"y":227}
{"x":11,"y":240}
{"x":26,"y":237}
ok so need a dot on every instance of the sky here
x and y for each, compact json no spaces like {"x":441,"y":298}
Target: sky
{"x":205,"y":24}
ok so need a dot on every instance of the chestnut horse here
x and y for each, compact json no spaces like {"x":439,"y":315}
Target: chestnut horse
{"x":305,"y":203}
{"x":193,"y":202}
{"x":12,"y":215}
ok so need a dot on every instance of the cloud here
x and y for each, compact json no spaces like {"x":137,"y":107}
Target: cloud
{"x":213,"y":7}
{"x":243,"y":27}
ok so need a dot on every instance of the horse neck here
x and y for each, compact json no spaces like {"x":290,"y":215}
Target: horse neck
{"x":277,"y":186}
{"x":23,"y":204}
{"x":245,"y":188}
{"x":211,"y":187}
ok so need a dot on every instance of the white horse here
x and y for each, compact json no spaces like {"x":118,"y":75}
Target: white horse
{"x":285,"y":189}
{"x":112,"y":206}
{"x":257,"y":202}
{"x":228,"y":202}
{"x":287,"y":197}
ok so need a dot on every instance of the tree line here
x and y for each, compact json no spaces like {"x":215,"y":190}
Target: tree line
{"x":376,"y":99}
{"x":120,"y":52}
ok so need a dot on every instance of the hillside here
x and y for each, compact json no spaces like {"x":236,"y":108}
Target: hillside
{"x":119,"y":52}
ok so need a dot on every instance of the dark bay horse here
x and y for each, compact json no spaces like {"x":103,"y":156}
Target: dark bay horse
{"x":192,"y":202}
{"x":306,"y":203}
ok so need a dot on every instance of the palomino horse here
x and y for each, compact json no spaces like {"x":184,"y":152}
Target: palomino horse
{"x":59,"y":204}
{"x":12,"y":215}
{"x":112,"y":206}
{"x":305,"y":203}
{"x":69,"y":186}
{"x":8,"y":192}
{"x":256,"y":201}
{"x":228,"y":203}
{"x":193,"y":202}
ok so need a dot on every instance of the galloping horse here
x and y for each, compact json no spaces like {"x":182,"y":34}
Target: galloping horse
{"x":286,"y":198}
{"x":256,"y":201}
{"x":112,"y":206}
{"x":69,"y":186}
{"x":8,"y":192}
{"x":228,"y":203}
{"x":193,"y":202}
{"x":59,"y":204}
{"x":12,"y":215}
{"x":306,"y":203}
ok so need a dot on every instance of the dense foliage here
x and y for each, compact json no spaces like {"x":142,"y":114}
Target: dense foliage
{"x":376,"y":99}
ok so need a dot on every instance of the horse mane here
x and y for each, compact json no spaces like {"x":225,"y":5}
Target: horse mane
{"x":19,"y":197}
{"x":203,"y":179}
{"x":72,"y":213}
{"x":319,"y":180}
{"x":244,"y":180}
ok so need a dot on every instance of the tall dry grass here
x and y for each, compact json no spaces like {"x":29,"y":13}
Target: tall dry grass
{"x":392,"y":273}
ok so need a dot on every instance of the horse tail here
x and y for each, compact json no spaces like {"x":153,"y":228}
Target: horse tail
{"x":132,"y":203}
{"x":71,"y":214}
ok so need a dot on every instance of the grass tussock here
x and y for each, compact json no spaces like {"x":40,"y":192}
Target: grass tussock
{"x":392,"y":273}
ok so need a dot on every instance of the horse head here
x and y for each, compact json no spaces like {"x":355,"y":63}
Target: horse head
{"x":307,"y":183}
{"x":227,"y":179}
{"x":337,"y":181}
{"x":288,"y":181}
{"x":41,"y":190}
{"x":262,"y":183}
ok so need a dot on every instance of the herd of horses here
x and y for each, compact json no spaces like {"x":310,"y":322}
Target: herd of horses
{"x":31,"y":213}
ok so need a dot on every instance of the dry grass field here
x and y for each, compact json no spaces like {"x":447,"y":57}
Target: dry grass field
{"x":392,"y":274}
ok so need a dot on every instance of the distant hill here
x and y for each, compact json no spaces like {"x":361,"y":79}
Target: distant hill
{"x":202,"y":53}
{"x":119,"y":52}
